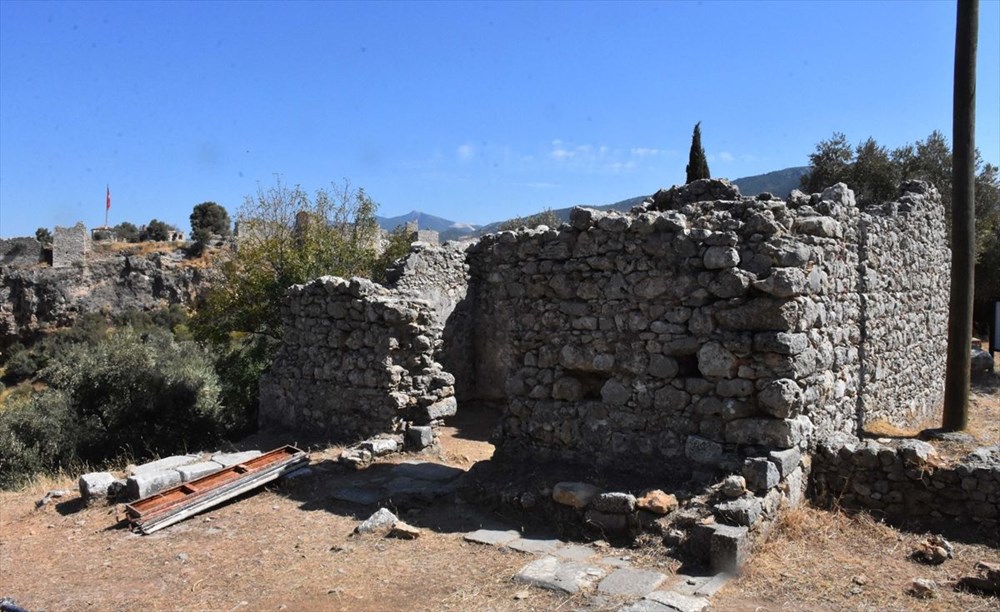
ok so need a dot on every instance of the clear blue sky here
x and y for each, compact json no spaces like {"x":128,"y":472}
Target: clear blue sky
{"x":471,"y":111}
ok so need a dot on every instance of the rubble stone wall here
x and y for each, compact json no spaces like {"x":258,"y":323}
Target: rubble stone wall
{"x":357,"y":360}
{"x":70,"y":245}
{"x":20,"y":252}
{"x":705,"y":327}
{"x":904,"y":480}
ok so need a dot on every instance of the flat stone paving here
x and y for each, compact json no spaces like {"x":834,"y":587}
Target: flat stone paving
{"x":570,"y":568}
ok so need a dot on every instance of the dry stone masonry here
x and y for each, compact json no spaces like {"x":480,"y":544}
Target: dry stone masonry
{"x":697,"y":330}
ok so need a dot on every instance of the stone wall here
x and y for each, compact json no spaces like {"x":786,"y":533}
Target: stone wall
{"x":699,"y":329}
{"x":905,"y":480}
{"x":357,"y":359}
{"x":70,"y":245}
{"x":20,"y":252}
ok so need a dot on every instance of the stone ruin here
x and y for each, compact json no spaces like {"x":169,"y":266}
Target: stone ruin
{"x":702,"y":333}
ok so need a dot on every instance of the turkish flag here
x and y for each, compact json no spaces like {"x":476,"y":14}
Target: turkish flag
{"x":108,"y":207}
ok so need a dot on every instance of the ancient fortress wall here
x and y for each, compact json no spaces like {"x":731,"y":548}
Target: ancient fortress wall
{"x":698,"y":329}
{"x":20,"y":252}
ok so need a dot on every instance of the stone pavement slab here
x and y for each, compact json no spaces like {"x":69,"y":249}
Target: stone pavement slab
{"x":678,"y":601}
{"x":493,"y":537}
{"x":556,"y":575}
{"x":531,"y":545}
{"x":363,"y":496}
{"x":631,"y":582}
{"x":166,"y":463}
{"x":231,"y":459}
{"x":424,"y":470}
{"x":575,"y":552}
{"x":647,"y":605}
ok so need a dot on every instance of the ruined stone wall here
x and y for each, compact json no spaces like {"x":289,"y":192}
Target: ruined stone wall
{"x":70,"y":245}
{"x":702,"y":327}
{"x":356,"y":360}
{"x":904,"y":286}
{"x":905,"y":480}
{"x":20,"y":252}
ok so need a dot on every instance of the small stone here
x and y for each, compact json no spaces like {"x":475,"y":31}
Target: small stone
{"x":923,"y":588}
{"x":614,"y":503}
{"x":382,"y":521}
{"x":404,"y":531}
{"x":575,"y":494}
{"x":658,"y":502}
{"x":734,"y":486}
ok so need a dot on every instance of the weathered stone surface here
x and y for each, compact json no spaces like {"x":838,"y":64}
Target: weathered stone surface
{"x":380,"y":446}
{"x":730,"y":548}
{"x":197,"y":470}
{"x":380,"y":522}
{"x":733,"y":486}
{"x":743,"y":511}
{"x":761,"y":475}
{"x":160,"y":465}
{"x":678,"y":602}
{"x":575,"y":494}
{"x":139,"y":486}
{"x":444,"y":408}
{"x":781,"y":398}
{"x":557,"y":575}
{"x":94,"y":485}
{"x":657,"y":501}
{"x":425,"y":470}
{"x":493,"y":537}
{"x":786,"y":460}
{"x":363,"y":496}
{"x":535,"y":546}
{"x":775,"y":433}
{"x":629,"y":582}
{"x":607,"y":521}
{"x":419,"y":437}
{"x":574,"y":552}
{"x":614,"y":503}
{"x":231,"y":459}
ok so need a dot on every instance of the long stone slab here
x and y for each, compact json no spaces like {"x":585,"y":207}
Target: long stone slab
{"x":678,"y":601}
{"x":492,"y":537}
{"x":425,"y":470}
{"x":556,"y":575}
{"x":197,"y":470}
{"x":531,"y":545}
{"x":167,"y":463}
{"x":145,"y":484}
{"x":231,"y":459}
{"x":363,"y":496}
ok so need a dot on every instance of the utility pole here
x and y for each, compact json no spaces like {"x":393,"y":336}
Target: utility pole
{"x":963,"y":229}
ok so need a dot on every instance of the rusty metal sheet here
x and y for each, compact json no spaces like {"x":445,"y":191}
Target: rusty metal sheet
{"x":178,"y":503}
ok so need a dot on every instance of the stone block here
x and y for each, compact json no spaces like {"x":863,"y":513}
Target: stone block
{"x":535,"y":546}
{"x":425,"y":470}
{"x":774,"y":433}
{"x":143,"y":485}
{"x":380,"y":446}
{"x":95,"y":485}
{"x":231,"y":459}
{"x":614,"y":503}
{"x":575,"y":494}
{"x":742,"y":511}
{"x":574,"y":552}
{"x":733,"y":486}
{"x":657,"y":502}
{"x":761,"y":475}
{"x":167,"y":463}
{"x":197,"y":470}
{"x":380,"y":522}
{"x":703,"y":451}
{"x":441,"y":409}
{"x":557,"y":575}
{"x":614,"y":523}
{"x":730,"y":548}
{"x":629,"y":582}
{"x":678,"y":602}
{"x":419,"y":437}
{"x":786,"y":460}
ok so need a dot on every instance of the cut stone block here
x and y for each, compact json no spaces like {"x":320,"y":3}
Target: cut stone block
{"x":729,"y":548}
{"x":761,"y":475}
{"x":743,"y":511}
{"x":786,"y":460}
{"x":530,"y":545}
{"x":575,"y":494}
{"x":617,"y":523}
{"x":95,"y":485}
{"x":712,"y":585}
{"x":631,"y":582}
{"x":493,"y":537}
{"x":146,"y":484}
{"x":444,"y":408}
{"x":614,"y":503}
{"x":380,"y":446}
{"x":167,"y":463}
{"x":678,"y":602}
{"x":197,"y":470}
{"x":231,"y":459}
{"x":420,"y":436}
{"x":555,"y":575}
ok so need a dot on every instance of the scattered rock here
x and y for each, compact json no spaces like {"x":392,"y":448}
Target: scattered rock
{"x":575,"y":494}
{"x":54,"y":494}
{"x":356,"y":458}
{"x":404,"y":531}
{"x":95,"y":485}
{"x":988,"y":579}
{"x":734,"y":486}
{"x":382,"y":521}
{"x":658,"y":502}
{"x":923,"y":588}
{"x":934,"y":550}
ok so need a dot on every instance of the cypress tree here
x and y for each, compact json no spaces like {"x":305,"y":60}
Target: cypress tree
{"x":697,"y":167}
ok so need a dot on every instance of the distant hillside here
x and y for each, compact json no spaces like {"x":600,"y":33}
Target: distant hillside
{"x":779,"y":182}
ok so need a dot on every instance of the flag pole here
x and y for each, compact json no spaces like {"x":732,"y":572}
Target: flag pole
{"x":107,"y":206}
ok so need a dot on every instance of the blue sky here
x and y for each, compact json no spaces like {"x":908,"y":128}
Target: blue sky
{"x":471,"y":111}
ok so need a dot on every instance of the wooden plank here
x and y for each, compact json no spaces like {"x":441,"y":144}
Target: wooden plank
{"x":178,"y":503}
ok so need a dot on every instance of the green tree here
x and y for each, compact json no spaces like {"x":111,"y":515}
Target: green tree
{"x":44,"y":236}
{"x":156,"y":231}
{"x":829,"y":164}
{"x":209,"y":218}
{"x":126,"y":231}
{"x":697,"y":167}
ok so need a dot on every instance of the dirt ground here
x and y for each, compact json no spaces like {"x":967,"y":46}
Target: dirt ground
{"x":289,"y":547}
